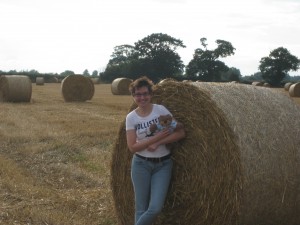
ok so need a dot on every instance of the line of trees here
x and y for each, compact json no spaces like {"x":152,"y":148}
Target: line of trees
{"x":33,"y":74}
{"x":156,"y":57}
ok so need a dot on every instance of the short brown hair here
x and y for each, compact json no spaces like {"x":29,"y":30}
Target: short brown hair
{"x":141,"y":82}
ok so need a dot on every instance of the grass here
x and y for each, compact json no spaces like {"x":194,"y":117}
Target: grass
{"x":55,"y":157}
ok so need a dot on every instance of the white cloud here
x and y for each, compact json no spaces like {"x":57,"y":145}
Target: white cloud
{"x":59,"y":35}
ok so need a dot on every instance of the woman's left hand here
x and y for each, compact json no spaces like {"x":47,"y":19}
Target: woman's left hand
{"x":152,"y":148}
{"x":162,"y":134}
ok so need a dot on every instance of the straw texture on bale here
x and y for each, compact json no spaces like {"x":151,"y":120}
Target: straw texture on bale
{"x":77,"y":88}
{"x":287,"y":86}
{"x":294,"y":90}
{"x":39,"y":81}
{"x":166,"y":79}
{"x":120,"y":86}
{"x":238,"y":165}
{"x":15,"y":88}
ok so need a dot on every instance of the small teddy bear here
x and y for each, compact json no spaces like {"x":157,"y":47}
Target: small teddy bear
{"x":165,"y":121}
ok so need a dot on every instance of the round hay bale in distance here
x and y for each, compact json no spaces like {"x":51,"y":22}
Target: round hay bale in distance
{"x":233,"y":167}
{"x":257,"y":83}
{"x":294,"y":90}
{"x":120,"y":86}
{"x":165,"y":80}
{"x":39,"y":81}
{"x":15,"y":88}
{"x":77,"y":88}
{"x":51,"y":79}
{"x":287,"y":86}
{"x":96,"y":80}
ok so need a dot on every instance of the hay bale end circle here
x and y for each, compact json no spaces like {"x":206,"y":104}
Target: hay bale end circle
{"x":294,"y":90}
{"x":287,"y":86}
{"x":257,"y":83}
{"x":15,"y":88}
{"x":120,"y":86}
{"x":77,"y":88}
{"x":39,"y":81}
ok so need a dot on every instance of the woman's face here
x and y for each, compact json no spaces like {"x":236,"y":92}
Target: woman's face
{"x":142,"y":96}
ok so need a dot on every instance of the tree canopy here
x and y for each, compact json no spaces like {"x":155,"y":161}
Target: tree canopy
{"x":154,"y":56}
{"x":276,"y":66}
{"x":205,"y":65}
{"x":86,"y":72}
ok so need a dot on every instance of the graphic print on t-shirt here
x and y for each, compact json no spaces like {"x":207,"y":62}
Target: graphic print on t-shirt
{"x":142,"y":129}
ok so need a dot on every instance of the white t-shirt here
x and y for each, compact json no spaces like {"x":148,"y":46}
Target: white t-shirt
{"x":142,"y":124}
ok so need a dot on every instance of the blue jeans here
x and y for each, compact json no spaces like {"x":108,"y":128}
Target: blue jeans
{"x":151,"y":183}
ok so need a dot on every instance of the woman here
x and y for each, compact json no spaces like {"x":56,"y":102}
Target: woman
{"x":151,"y":167}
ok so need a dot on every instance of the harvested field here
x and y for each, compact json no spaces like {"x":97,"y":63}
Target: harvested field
{"x":283,"y":91}
{"x":55,"y":157}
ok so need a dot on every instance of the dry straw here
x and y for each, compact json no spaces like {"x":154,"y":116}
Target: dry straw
{"x":294,"y":90}
{"x":120,"y":86}
{"x":77,"y":88}
{"x":238,"y":165}
{"x":39,"y":81}
{"x":15,"y":88}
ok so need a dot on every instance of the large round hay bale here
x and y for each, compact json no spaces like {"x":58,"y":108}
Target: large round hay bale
{"x":39,"y":81}
{"x":120,"y":86}
{"x":287,"y":86}
{"x":15,"y":88}
{"x":77,"y":88}
{"x":239,"y":163}
{"x":92,"y":92}
{"x":294,"y":90}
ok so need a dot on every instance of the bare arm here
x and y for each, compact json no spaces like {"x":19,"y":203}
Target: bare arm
{"x":135,"y":146}
{"x":173,"y":137}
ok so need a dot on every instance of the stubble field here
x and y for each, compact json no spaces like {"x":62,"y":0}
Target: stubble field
{"x":55,"y":157}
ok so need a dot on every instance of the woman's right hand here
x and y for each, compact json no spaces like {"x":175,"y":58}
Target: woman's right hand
{"x":159,"y":135}
{"x":164,"y":133}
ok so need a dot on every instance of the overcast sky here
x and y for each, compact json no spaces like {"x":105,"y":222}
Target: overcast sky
{"x":52,"y":36}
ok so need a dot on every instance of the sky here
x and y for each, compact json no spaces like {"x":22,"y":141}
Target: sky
{"x":52,"y":36}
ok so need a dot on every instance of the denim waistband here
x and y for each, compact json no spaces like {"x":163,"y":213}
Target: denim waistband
{"x":154,"y":159}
